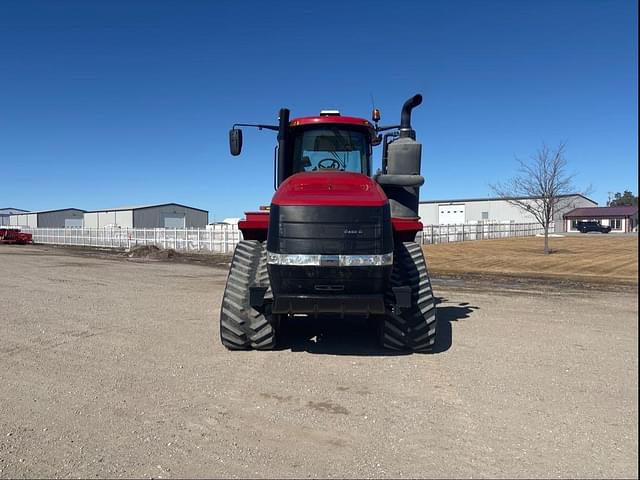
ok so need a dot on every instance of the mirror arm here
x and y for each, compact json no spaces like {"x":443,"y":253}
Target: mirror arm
{"x":260,"y":127}
{"x":388,"y":127}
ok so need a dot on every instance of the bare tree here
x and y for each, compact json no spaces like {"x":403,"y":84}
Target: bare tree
{"x":539,"y":186}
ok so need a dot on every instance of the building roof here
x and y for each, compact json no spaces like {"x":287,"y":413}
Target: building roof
{"x":141,"y":207}
{"x":597,"y":212}
{"x":494,"y":199}
{"x":50,"y":211}
{"x":11,"y":211}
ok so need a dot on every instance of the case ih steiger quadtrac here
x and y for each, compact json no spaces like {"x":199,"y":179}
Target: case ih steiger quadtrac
{"x":337,"y":239}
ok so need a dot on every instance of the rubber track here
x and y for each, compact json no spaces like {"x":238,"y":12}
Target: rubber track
{"x":241,"y":326}
{"x":411,"y":328}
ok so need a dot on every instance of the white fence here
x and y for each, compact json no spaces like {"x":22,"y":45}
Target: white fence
{"x":477,"y":231}
{"x":223,"y":238}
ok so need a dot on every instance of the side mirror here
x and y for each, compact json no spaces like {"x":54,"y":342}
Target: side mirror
{"x":235,"y":141}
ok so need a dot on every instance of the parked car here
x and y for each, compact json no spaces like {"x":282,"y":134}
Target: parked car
{"x":587,"y":226}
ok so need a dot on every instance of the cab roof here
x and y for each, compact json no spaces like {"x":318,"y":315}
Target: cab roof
{"x":331,"y":119}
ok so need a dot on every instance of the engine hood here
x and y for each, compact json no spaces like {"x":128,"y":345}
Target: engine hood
{"x":329,"y":188}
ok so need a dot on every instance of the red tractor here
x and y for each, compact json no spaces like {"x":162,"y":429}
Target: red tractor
{"x":337,"y":239}
{"x":14,"y":235}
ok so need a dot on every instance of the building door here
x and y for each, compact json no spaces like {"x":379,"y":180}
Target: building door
{"x":451,"y":214}
{"x":72,"y":223}
{"x":174,"y":221}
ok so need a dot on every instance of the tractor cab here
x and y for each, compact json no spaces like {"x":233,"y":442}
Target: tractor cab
{"x":330,"y":142}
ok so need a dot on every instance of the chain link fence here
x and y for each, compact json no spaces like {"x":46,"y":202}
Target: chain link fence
{"x":223,"y":238}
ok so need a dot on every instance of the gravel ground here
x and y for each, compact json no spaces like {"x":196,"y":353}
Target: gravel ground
{"x":112,"y":367}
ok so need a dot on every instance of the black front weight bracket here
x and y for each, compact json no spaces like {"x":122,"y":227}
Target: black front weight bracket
{"x":403,"y":296}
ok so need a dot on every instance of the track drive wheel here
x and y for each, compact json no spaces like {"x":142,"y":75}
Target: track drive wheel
{"x":412,"y":328}
{"x":242,"y":327}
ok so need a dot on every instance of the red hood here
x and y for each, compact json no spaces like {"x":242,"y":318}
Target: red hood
{"x":329,"y":188}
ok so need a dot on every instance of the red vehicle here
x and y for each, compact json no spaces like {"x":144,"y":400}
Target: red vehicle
{"x":337,"y":238}
{"x":14,"y":235}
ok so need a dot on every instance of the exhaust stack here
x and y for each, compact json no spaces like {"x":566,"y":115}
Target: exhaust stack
{"x":405,"y":116}
{"x":402,"y":180}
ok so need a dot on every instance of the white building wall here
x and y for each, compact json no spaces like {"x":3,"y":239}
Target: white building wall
{"x":91,"y":220}
{"x":112,"y":218}
{"x":497,"y":211}
{"x":24,"y":220}
{"x":124,"y":218}
{"x":493,"y":210}
{"x":476,"y":211}
{"x":106,"y":219}
{"x":428,"y":213}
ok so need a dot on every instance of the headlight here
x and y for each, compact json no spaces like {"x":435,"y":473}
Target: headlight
{"x":301,"y":260}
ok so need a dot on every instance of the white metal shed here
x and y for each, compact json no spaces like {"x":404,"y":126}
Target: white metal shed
{"x":60,"y":218}
{"x":165,"y":215}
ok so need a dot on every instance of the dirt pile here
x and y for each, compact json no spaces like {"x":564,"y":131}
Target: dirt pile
{"x":152,"y":252}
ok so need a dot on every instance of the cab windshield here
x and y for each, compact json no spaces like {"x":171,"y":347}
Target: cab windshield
{"x":331,"y":148}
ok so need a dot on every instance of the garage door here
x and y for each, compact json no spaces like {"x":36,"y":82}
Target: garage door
{"x":174,"y":221}
{"x":72,"y":223}
{"x":450,"y":214}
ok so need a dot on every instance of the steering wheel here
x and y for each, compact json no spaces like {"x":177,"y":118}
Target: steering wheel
{"x":329,"y":164}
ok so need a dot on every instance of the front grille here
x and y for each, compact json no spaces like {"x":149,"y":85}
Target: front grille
{"x":330,"y":230}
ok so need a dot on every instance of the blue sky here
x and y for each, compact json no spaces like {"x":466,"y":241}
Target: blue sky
{"x":115,"y":103}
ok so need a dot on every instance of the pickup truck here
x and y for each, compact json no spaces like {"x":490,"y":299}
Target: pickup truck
{"x":592,"y":226}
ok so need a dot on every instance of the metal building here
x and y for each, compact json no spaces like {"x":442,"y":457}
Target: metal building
{"x":472,"y":210}
{"x":166,"y":215}
{"x":61,"y":218}
{"x":5,"y":213}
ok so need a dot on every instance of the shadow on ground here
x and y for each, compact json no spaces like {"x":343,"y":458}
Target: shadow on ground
{"x":446,"y":315}
{"x":357,"y":336}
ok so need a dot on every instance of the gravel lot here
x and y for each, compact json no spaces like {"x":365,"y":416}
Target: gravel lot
{"x":113,"y":368}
